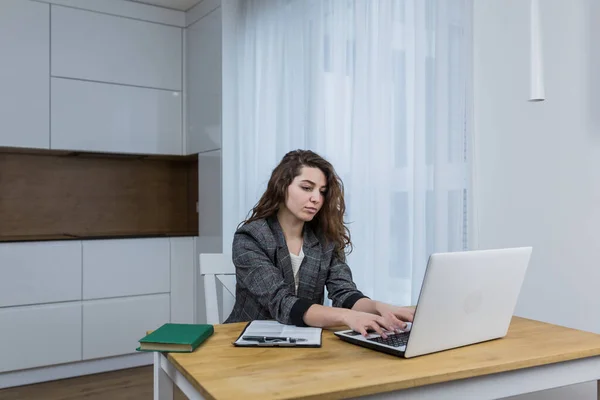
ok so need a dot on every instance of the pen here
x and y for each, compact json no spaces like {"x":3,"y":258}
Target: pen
{"x":263,"y":339}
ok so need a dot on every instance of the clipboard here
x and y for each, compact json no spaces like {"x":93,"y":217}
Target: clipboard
{"x":305,"y":336}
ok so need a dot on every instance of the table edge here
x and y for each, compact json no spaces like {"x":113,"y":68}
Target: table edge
{"x":378,"y":388}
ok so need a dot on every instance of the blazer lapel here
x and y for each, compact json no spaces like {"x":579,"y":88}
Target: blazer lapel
{"x":283,"y":254}
{"x":309,"y":269}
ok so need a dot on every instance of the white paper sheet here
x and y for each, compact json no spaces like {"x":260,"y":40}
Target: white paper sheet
{"x":311,"y":336}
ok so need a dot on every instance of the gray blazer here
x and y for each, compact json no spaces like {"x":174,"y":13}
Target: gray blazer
{"x":265,"y":287}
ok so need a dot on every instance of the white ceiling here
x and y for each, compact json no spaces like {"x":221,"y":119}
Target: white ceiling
{"x":181,"y":5}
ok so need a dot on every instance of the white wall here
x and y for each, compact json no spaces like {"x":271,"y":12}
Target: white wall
{"x":538,"y":164}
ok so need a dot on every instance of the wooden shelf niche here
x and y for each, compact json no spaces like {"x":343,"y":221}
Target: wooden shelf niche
{"x":50,"y":195}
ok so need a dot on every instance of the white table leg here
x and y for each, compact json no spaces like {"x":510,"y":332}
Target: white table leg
{"x":163,"y":385}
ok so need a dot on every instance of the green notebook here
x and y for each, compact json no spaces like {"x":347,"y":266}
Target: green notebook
{"x":176,"y":338}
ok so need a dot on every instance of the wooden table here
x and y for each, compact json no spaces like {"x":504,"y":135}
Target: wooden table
{"x":532,"y":357}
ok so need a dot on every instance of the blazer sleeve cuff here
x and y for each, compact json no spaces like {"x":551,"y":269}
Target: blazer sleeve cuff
{"x":352,"y":299}
{"x":298,"y":310}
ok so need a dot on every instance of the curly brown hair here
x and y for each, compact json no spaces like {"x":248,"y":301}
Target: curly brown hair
{"x":329,"y":221}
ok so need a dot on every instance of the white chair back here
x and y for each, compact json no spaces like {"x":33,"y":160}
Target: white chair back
{"x":216,"y":268}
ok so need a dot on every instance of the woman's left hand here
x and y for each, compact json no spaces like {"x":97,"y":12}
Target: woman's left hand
{"x":394,"y":315}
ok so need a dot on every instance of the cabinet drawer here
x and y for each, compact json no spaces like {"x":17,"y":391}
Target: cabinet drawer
{"x":34,"y":336}
{"x":100,"y":117}
{"x":114,"y":326}
{"x":100,"y":47}
{"x":125,"y":267}
{"x":35,"y":273}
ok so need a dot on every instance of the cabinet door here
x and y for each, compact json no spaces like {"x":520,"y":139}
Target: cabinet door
{"x":99,"y":47}
{"x":34,"y":336}
{"x":113,"y":327}
{"x":125,"y":267}
{"x":24,"y":74}
{"x":204,"y":84}
{"x":35,"y":273}
{"x":101,"y":117}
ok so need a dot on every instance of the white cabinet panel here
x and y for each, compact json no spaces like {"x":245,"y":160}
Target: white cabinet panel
{"x":210,"y":202}
{"x":203,"y":68}
{"x":34,"y":336}
{"x":91,"y":116}
{"x":125,"y":267}
{"x":34,"y":273}
{"x":24,"y":74}
{"x":99,"y":47}
{"x":131,"y":9}
{"x":114,"y":326}
{"x":183,"y":280}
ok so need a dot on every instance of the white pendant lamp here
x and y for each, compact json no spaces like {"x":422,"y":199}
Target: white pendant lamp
{"x":537,"y":91}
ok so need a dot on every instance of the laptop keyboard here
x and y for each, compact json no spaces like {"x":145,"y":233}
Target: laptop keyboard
{"x":393,"y":339}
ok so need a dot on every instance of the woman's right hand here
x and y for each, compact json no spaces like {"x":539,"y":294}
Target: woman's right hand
{"x":360,"y":322}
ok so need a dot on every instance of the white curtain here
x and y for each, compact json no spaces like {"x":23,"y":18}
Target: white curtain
{"x":381,"y":89}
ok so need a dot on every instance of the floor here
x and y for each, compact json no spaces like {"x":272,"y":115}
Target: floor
{"x":130,"y":384}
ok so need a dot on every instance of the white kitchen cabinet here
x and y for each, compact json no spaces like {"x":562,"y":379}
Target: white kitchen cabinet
{"x":107,"y":293}
{"x":34,"y":336}
{"x":108,"y":48}
{"x":203,"y":50}
{"x":184,"y":275}
{"x":39,"y":272}
{"x":99,"y":117}
{"x":114,"y":326}
{"x":24,"y":74}
{"x":125,"y":267}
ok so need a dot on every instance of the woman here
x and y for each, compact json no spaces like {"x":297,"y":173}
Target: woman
{"x":293,"y":245}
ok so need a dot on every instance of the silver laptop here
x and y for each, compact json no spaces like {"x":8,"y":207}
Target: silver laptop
{"x":466,"y":298}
